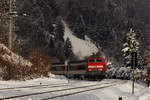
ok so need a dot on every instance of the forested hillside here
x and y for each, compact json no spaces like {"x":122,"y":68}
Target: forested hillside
{"x":39,"y":28}
{"x":106,"y":22}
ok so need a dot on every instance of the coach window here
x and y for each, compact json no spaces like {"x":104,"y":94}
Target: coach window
{"x":98,"y":60}
{"x":92,"y":60}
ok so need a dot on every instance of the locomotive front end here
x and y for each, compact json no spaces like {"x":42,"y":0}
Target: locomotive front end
{"x":95,"y":66}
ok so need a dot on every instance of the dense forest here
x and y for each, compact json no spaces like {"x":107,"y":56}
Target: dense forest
{"x":38,"y":24}
{"x":38,"y":29}
{"x":106,"y":22}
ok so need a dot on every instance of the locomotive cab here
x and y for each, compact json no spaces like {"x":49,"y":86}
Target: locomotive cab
{"x":95,"y":66}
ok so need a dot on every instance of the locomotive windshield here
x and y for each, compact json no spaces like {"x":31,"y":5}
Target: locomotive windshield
{"x":98,"y":60}
{"x":91,"y":60}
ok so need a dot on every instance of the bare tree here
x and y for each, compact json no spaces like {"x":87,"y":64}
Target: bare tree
{"x":41,"y":63}
{"x":4,"y":21}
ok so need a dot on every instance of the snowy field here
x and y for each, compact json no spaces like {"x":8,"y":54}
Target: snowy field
{"x":115,"y":89}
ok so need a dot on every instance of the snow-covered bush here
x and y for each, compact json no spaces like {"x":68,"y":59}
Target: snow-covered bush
{"x":13,"y":66}
{"x":57,"y":76}
{"x":140,"y":75}
{"x":125,"y":73}
{"x":118,"y":72}
{"x":110,"y":73}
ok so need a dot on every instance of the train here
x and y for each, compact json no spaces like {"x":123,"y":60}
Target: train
{"x":92,"y":67}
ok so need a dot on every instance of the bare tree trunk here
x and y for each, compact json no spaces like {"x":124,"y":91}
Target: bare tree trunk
{"x":147,"y":66}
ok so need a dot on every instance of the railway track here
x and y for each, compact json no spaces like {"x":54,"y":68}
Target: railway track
{"x":81,"y":91}
{"x":33,"y":86}
{"x":84,"y":89}
{"x":68,"y":94}
{"x":40,"y":86}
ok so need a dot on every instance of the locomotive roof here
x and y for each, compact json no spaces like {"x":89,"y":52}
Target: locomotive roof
{"x":79,"y":61}
{"x":95,"y":57}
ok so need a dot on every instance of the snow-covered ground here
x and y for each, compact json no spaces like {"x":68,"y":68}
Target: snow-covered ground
{"x":119,"y":88}
{"x":81,"y":48}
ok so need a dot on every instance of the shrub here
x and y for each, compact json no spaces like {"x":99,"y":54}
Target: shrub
{"x":41,"y":63}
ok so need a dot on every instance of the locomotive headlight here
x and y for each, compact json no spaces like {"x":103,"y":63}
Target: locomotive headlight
{"x":91,"y":66}
{"x":99,"y":66}
{"x":100,"y":69}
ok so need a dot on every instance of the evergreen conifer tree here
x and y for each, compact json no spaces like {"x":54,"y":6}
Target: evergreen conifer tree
{"x":131,"y":45}
{"x":68,"y":49}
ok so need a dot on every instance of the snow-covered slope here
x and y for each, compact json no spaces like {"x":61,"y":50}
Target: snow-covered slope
{"x":12,"y":58}
{"x":81,"y":48}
